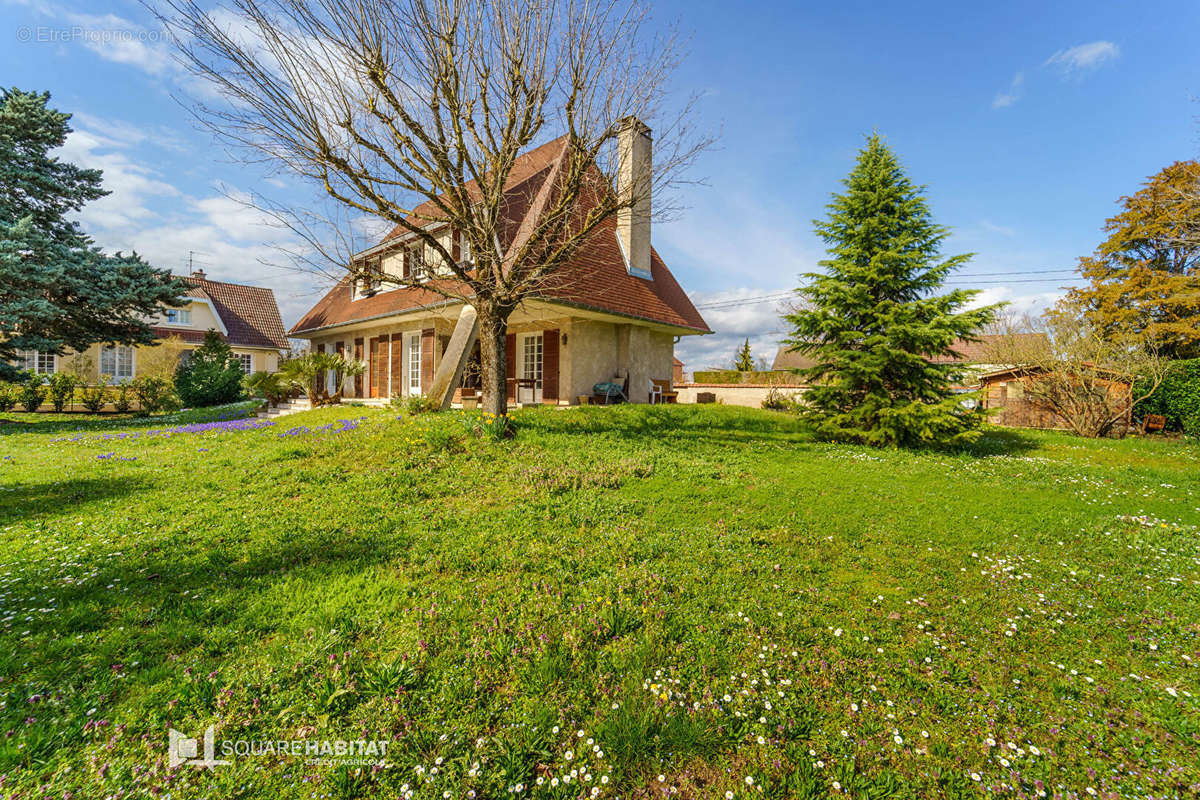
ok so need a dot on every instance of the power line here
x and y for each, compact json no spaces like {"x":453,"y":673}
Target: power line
{"x":735,"y":302}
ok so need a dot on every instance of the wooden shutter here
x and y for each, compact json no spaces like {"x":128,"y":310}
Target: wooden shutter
{"x":550,"y":366}
{"x":510,"y":357}
{"x":397,"y":364}
{"x":427,"y":339}
{"x":358,"y":356}
{"x":378,"y":367}
{"x":340,"y":347}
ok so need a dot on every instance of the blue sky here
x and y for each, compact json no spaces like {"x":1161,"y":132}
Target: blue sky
{"x":1027,"y":121}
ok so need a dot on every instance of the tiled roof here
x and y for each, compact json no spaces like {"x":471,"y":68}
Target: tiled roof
{"x":249,"y":313}
{"x":792,"y":359}
{"x":595,"y":278}
{"x":980,"y":352}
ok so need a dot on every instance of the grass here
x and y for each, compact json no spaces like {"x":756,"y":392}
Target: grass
{"x":686,"y":601}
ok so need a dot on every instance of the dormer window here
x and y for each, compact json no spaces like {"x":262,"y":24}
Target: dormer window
{"x":178,"y":316}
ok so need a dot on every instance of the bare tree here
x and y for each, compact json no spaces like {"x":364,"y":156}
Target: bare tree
{"x":386,"y":105}
{"x":1089,"y":377}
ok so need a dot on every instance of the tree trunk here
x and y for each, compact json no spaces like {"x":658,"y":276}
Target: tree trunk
{"x":493,"y":333}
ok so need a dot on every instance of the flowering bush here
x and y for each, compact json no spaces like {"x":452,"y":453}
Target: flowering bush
{"x":62,"y":389}
{"x":94,"y":398}
{"x":122,"y":403}
{"x":33,"y":393}
{"x":155,"y":394}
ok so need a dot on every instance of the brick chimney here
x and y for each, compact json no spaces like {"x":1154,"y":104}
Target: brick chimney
{"x":198,"y":273}
{"x":634,"y":183}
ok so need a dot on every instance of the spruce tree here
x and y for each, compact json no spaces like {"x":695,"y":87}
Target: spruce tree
{"x":211,"y":376}
{"x":57,"y":290}
{"x":744,"y":360}
{"x":873,"y":319}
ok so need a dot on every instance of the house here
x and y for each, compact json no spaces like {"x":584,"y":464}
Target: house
{"x":614,"y":312}
{"x":1007,"y":392}
{"x":788,"y":360}
{"x":245,"y":316}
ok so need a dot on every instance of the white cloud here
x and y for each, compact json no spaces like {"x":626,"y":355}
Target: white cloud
{"x":1003,"y":230}
{"x":761,"y":323}
{"x":146,"y":213}
{"x":1083,"y":58}
{"x":1013,"y":94}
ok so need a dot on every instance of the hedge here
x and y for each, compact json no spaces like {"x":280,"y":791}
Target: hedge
{"x":1177,"y":397}
{"x":733,"y":376}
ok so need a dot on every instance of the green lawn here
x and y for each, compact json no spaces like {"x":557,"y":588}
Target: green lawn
{"x":686,"y":601}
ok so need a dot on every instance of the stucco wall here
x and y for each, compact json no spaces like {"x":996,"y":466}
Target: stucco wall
{"x":733,"y":394}
{"x":600,"y":351}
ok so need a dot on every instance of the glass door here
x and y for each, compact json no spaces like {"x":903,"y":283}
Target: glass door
{"x":529,"y":389}
{"x":414,"y":363}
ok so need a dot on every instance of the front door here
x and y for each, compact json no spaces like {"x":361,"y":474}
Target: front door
{"x":529,"y":389}
{"x":413,"y":352}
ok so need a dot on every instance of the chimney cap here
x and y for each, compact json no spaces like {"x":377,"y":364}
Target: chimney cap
{"x":626,"y":123}
{"x":198,"y":273}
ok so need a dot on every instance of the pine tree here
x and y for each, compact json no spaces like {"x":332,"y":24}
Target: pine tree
{"x":744,"y":360}
{"x":57,"y":290}
{"x":873,"y":320}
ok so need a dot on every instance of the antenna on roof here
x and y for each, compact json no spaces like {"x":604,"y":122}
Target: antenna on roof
{"x":195,"y":273}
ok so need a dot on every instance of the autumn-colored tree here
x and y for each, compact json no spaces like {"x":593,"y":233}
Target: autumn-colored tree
{"x":1146,"y":275}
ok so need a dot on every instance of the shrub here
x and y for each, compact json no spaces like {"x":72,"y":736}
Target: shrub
{"x":93,"y":398}
{"x":1191,"y":426}
{"x":270,"y":386}
{"x":8,"y":397}
{"x":123,"y":402}
{"x":211,"y":377}
{"x":62,"y":390}
{"x":1177,"y":397}
{"x":779,"y":401}
{"x":154,"y":394}
{"x":33,"y":393}
{"x":416,"y":404}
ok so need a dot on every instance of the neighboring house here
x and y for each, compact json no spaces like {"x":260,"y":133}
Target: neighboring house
{"x":791,"y":360}
{"x":615,"y":311}
{"x":245,"y":316}
{"x":676,"y":371}
{"x":1006,"y":392}
{"x":976,"y":358}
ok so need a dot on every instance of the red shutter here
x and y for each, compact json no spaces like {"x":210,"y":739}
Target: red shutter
{"x":455,"y":252}
{"x":510,"y":356}
{"x":358,"y":356}
{"x":427,"y":339}
{"x":550,"y":366}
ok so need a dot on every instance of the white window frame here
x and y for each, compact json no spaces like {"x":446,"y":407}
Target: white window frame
{"x":35,"y":361}
{"x":246,"y":360}
{"x":182,"y":316}
{"x":118,"y":354}
{"x":412,"y":354}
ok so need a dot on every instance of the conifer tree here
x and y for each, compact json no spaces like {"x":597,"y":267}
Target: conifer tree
{"x":873,"y":319}
{"x":744,"y":360}
{"x":57,"y":290}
